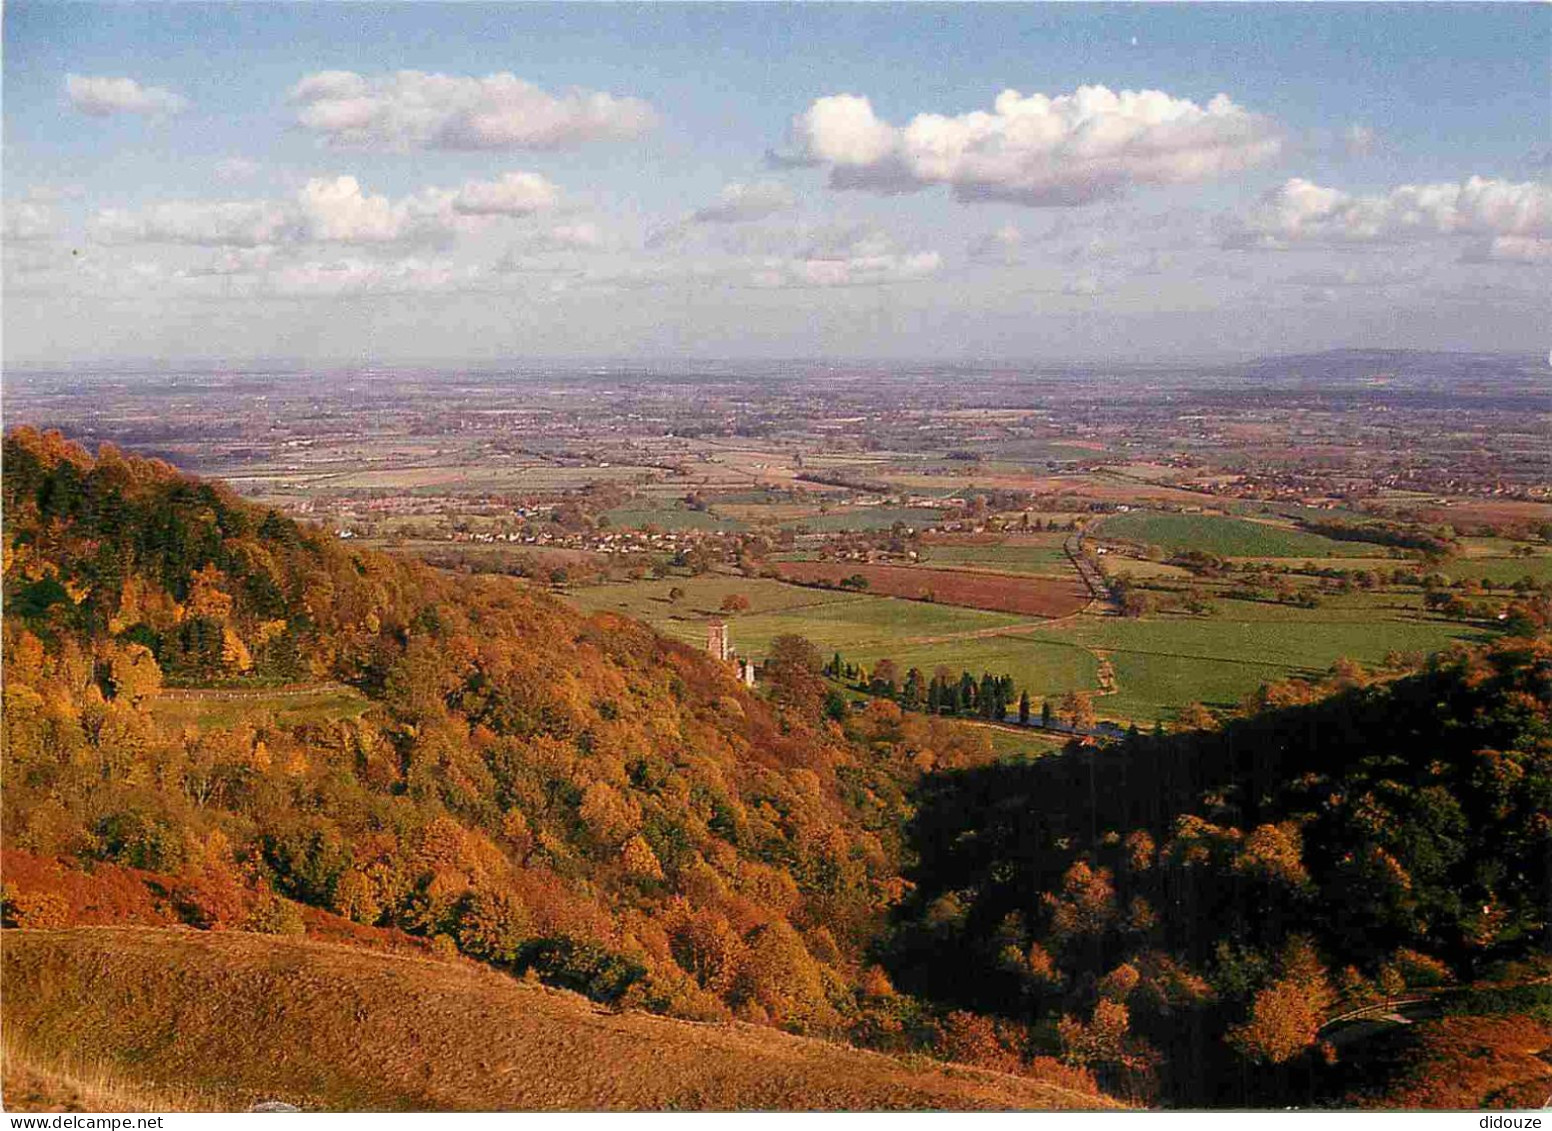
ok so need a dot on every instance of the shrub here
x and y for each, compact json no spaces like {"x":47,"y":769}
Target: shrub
{"x":1422,"y":971}
{"x":1283,"y":1023}
{"x":1101,"y":1040}
{"x":33,"y":910}
{"x":211,"y":901}
{"x":585,"y":967}
{"x":492,"y":927}
{"x":132,"y":838}
{"x":971,"y":1038}
{"x":272,"y":915}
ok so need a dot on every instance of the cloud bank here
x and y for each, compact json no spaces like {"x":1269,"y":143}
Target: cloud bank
{"x":1094,"y":144}
{"x":1494,"y":220}
{"x":329,"y":210}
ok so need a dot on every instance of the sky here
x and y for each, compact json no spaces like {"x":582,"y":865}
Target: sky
{"x":447,"y":182}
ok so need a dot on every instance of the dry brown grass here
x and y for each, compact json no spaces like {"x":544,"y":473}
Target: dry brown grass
{"x":239,"y":1017}
{"x":1470,"y":1063}
{"x":30,"y":1086}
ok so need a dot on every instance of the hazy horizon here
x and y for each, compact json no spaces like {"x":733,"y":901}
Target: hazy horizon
{"x":604,"y":361}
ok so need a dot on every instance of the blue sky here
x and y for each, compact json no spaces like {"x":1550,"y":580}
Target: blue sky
{"x":242,"y":180}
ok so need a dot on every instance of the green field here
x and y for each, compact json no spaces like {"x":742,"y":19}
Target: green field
{"x":1257,"y":509}
{"x":1224,"y":537}
{"x":212,"y":709}
{"x":870,"y":622}
{"x":1046,"y":559}
{"x":829,"y":618}
{"x":868,"y":518}
{"x":1500,"y":571}
{"x":1163,"y":663}
{"x":1483,"y":559}
{"x":1160,"y":662}
{"x":1141,"y":568}
{"x":1358,"y":608}
{"x":1150,"y":688}
{"x":752,"y":498}
{"x":1019,"y":746}
{"x":1371,"y":560}
{"x":668,"y":518}
{"x":1041,"y":663}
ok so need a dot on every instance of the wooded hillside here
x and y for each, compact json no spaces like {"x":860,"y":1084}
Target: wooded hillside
{"x":580,"y":800}
{"x":574,"y":796}
{"x":1187,"y":910}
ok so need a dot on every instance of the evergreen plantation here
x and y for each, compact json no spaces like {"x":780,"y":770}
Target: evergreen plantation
{"x":1172,"y":916}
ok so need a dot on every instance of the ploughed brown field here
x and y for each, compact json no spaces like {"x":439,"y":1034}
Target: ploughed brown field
{"x":149,"y":1017}
{"x":1486,"y":512}
{"x":997,"y":592}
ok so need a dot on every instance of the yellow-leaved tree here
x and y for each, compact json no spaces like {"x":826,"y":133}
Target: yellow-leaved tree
{"x":134,"y":674}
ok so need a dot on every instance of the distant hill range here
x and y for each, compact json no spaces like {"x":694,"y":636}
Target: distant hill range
{"x":1399,"y":364}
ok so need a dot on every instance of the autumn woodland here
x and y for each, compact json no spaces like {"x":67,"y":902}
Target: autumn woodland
{"x":575,"y":800}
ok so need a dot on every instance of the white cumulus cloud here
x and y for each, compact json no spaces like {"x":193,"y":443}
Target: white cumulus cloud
{"x":411,"y":110}
{"x":329,"y":210}
{"x":1492,"y":219}
{"x":1092,"y":144}
{"x":102,"y":97}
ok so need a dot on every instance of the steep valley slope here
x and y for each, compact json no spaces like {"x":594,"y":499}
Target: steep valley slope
{"x":235,"y":1018}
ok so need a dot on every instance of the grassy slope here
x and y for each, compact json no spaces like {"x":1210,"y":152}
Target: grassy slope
{"x":1464,"y":1062}
{"x":218,"y":707}
{"x":87,"y":1088}
{"x":239,"y":1017}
